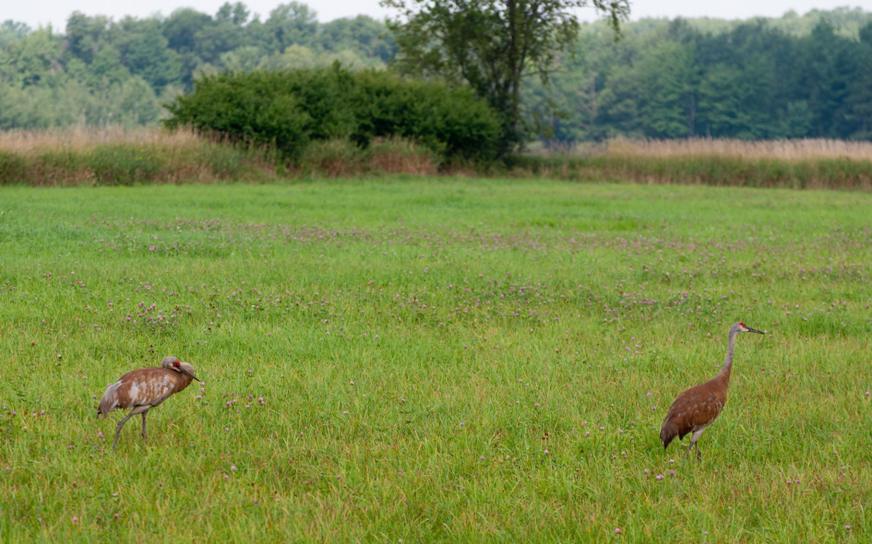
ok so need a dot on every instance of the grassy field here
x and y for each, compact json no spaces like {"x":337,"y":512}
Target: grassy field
{"x":435,"y":360}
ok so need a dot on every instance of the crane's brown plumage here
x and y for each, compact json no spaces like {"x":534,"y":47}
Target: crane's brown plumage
{"x":696,"y":408}
{"x":143,"y":389}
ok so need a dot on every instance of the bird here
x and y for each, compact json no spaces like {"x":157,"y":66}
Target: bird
{"x":696,"y":408}
{"x":143,"y":389}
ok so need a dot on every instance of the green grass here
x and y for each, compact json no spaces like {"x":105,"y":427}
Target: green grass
{"x":438,"y":360}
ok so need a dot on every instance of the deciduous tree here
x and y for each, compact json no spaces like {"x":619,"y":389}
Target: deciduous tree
{"x":491,"y":44}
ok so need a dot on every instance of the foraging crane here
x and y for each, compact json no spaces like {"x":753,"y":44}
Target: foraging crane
{"x":144,"y":389}
{"x":696,"y":408}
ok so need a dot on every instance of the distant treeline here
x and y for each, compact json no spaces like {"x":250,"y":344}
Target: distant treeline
{"x":105,"y":72}
{"x":754,"y":80}
{"x":791,"y":77}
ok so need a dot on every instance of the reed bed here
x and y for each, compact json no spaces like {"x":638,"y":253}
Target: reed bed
{"x":82,"y":139}
{"x":785,"y":150}
{"x":799,"y":164}
{"x":124,"y":156}
{"x":121,"y":156}
{"x":118,"y":156}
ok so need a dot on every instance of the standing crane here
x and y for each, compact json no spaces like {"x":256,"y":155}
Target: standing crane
{"x":144,"y":389}
{"x":696,"y":408}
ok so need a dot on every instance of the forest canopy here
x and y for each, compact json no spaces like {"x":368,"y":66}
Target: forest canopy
{"x":795,"y":76}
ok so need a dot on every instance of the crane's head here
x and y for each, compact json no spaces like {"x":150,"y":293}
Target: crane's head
{"x":173,"y":363}
{"x":741,"y":327}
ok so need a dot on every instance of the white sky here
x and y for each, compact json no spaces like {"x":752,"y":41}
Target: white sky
{"x":55,"y":12}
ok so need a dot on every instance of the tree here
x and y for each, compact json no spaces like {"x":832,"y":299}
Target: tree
{"x":363,"y":34}
{"x":858,"y":103}
{"x":668,"y":105}
{"x":291,"y":24}
{"x":85,"y":33}
{"x":181,"y":28}
{"x":145,"y":52}
{"x":491,"y":44}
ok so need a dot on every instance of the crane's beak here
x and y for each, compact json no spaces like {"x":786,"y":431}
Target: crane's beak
{"x":754,"y":330}
{"x":189,"y":373}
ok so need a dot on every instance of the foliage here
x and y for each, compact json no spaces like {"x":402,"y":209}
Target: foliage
{"x":490,"y":44}
{"x":796,"y":76}
{"x":451,"y":360}
{"x":670,"y":80}
{"x":105,"y":72}
{"x":287,"y":109}
{"x":249,"y":109}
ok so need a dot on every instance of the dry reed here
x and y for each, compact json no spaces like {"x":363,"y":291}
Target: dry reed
{"x":786,"y":150}
{"x":79,"y":139}
{"x":113,"y":155}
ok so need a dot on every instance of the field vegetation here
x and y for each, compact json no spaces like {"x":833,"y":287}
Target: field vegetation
{"x":118,"y":156}
{"x":797,"y":164}
{"x":290,"y":110}
{"x":435,"y":360}
{"x":796,"y":76}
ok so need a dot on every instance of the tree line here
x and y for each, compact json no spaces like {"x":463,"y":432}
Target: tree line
{"x":100,"y":71}
{"x":790,"y":77}
{"x":675,"y":79}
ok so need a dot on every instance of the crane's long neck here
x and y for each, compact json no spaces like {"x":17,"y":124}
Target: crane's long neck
{"x":728,"y":360}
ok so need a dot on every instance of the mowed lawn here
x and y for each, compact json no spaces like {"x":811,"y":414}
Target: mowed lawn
{"x":435,"y":360}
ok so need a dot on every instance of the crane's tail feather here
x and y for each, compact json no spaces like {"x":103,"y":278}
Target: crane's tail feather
{"x":109,"y":401}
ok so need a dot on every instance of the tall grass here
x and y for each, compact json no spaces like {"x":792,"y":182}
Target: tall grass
{"x":115,"y":156}
{"x":782,"y":150}
{"x":342,"y":158}
{"x":823,"y":164}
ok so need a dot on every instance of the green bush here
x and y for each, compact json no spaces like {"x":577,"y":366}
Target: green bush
{"x":250,"y":110}
{"x":289,"y":109}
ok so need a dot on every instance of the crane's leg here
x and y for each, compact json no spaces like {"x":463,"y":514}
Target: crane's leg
{"x":693,"y":439}
{"x":137,"y":410}
{"x":143,"y":424}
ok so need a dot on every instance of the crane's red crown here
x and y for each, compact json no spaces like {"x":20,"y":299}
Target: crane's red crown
{"x":742,"y":323}
{"x":176,"y":363}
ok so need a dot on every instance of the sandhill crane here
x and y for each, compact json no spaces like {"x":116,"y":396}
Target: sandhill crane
{"x":696,"y":408}
{"x":144,"y":389}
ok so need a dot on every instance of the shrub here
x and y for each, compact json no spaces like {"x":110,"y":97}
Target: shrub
{"x":289,"y":109}
{"x":250,"y":110}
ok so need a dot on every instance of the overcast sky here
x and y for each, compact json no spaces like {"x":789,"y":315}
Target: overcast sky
{"x":55,"y":12}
